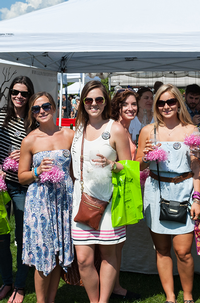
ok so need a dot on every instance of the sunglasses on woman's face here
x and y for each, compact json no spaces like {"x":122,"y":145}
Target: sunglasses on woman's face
{"x":16,"y":92}
{"x":89,"y":101}
{"x":45,"y":106}
{"x":170,"y":102}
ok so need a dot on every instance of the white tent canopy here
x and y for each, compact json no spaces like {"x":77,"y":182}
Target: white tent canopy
{"x":106,"y":36}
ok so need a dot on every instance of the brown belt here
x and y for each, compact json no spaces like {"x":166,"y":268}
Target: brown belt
{"x":175,"y":180}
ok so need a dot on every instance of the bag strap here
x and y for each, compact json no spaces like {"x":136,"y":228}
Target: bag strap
{"x":81,"y":161}
{"x":157,"y":164}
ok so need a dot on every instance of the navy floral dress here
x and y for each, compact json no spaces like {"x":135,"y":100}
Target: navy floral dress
{"x":47,"y":217}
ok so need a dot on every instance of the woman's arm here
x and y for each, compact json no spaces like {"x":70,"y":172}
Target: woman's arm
{"x":120,"y":142}
{"x":195,"y":166}
{"x":25,"y":176}
{"x":144,"y":146}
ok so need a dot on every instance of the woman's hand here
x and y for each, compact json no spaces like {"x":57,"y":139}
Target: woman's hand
{"x":15,"y":155}
{"x":102,"y":161}
{"x":149,"y":146}
{"x":2,"y":174}
{"x":195,"y":211}
{"x":46,"y":165}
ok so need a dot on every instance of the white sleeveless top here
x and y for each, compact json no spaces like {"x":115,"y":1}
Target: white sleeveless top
{"x":97,"y":183}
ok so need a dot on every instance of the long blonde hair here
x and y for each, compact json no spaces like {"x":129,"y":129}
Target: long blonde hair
{"x":182,"y":113}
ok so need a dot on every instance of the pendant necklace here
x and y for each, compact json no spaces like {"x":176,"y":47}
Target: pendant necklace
{"x":176,"y":145}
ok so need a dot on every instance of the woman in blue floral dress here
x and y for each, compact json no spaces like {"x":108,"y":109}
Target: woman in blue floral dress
{"x":47,"y":242}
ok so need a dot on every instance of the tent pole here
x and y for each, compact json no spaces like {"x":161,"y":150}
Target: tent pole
{"x":60,"y":106}
{"x":109,"y":83}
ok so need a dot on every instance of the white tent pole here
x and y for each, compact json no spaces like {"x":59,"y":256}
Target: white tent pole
{"x":79,"y":85}
{"x":83,"y":79}
{"x":109,"y":83}
{"x":60,"y":106}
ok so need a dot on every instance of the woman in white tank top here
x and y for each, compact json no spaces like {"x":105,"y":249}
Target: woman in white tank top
{"x":105,"y":142}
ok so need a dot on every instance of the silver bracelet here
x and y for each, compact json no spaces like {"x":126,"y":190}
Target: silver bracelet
{"x":196,"y":201}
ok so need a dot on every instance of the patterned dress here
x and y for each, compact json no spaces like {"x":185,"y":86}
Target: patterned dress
{"x":47,"y":217}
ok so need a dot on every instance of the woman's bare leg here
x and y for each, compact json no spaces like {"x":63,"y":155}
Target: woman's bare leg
{"x":118,"y":289}
{"x":182,"y":247}
{"x":108,"y":271}
{"x":88,"y":272}
{"x":41,"y":286}
{"x":164,"y":263}
{"x":46,"y":286}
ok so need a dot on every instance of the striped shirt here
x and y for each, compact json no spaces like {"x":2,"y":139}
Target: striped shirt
{"x":10,"y":136}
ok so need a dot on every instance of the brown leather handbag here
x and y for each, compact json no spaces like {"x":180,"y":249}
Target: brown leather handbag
{"x":90,"y":209}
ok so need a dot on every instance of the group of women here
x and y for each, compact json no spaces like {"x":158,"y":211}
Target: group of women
{"x":101,"y":139}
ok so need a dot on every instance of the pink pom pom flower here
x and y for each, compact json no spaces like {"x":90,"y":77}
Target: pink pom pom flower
{"x":192,"y":140}
{"x":3,"y":186}
{"x":10,"y":164}
{"x":158,"y":154}
{"x":143,"y":176}
{"x":54,"y":175}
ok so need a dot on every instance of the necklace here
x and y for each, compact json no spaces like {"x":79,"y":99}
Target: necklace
{"x":169,"y":134}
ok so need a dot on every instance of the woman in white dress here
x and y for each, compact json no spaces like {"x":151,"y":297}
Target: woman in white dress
{"x":105,"y":142}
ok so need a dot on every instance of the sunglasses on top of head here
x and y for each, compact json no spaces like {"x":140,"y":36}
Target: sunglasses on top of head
{"x":89,"y":101}
{"x":170,"y":102}
{"x":125,"y":90}
{"x":45,"y":106}
{"x":16,"y":92}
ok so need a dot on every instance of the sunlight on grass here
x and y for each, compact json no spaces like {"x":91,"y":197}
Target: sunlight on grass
{"x":148,"y":286}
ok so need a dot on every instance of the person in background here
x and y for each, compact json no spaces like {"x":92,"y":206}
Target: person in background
{"x":192,"y":99}
{"x":77,"y":105}
{"x":124,"y":110}
{"x":14,"y":126}
{"x":73,"y":108}
{"x":145,"y":114}
{"x":179,"y":176}
{"x":47,"y":242}
{"x":156,"y":86}
{"x":105,"y":141}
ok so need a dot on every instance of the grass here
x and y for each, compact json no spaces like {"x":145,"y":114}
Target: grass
{"x":148,"y":286}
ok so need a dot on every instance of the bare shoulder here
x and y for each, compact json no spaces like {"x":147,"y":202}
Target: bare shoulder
{"x":68,"y":133}
{"x":146,"y":130}
{"x":117,"y":129}
{"x":30,"y":138}
{"x":190,"y":128}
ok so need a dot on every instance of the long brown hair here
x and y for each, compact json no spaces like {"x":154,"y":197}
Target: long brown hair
{"x":182,"y":113}
{"x":82,"y":116}
{"x":34,"y":97}
{"x":9,"y":108}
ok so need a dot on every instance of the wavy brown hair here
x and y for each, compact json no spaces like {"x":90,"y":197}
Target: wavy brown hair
{"x":182,"y":114}
{"x":118,"y":100}
{"x":32,"y":120}
{"x":82,"y":116}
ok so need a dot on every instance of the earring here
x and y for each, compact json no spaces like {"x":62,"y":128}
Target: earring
{"x":179,"y":110}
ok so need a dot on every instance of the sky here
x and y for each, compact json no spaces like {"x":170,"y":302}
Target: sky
{"x":13,"y":8}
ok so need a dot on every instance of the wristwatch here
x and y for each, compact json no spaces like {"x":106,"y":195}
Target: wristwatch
{"x":113,"y":165}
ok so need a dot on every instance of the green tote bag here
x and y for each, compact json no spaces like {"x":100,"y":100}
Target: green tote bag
{"x":127,"y":205}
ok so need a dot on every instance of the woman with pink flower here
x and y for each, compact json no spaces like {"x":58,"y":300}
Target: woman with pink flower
{"x":47,"y":242}
{"x":178,"y":175}
{"x":13,"y":128}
